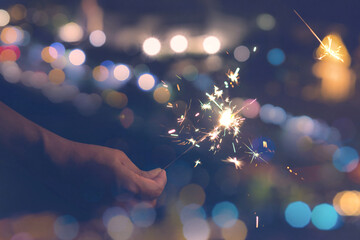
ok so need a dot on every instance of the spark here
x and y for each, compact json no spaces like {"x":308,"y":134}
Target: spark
{"x":238,"y":163}
{"x":326,"y":47}
{"x":205,"y":106}
{"x":178,"y":76}
{"x":197,"y":162}
{"x":254,"y":49}
{"x":218,"y":93}
{"x":169,"y":105}
{"x":233,"y":76}
{"x":192,"y":141}
{"x":254,"y":154}
{"x":257,"y":222}
{"x":178,"y":87}
{"x":172,"y":131}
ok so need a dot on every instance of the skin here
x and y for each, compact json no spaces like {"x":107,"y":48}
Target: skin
{"x":23,"y":138}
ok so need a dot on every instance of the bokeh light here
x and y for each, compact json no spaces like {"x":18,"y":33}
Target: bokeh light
{"x":178,"y":43}
{"x":162,"y":94}
{"x":192,"y":211}
{"x":17,"y":12}
{"x":196,"y":229}
{"x":71,"y":32}
{"x":190,"y":73}
{"x":324,"y":217}
{"x":265,"y":22}
{"x":116,"y":99}
{"x":298,"y":214}
{"x":4,"y":18}
{"x":121,"y":72}
{"x":112,"y":212}
{"x":100,"y":73}
{"x":59,"y":47}
{"x":66,"y":227}
{"x":120,"y":227}
{"x":126,"y":117}
{"x":143,"y":215}
{"x":151,"y":46}
{"x":241,"y":53}
{"x":345,"y":159}
{"x":347,"y":203}
{"x":225,"y":214}
{"x":236,"y":232}
{"x":49,"y":54}
{"x":146,"y":81}
{"x":192,"y":193}
{"x":211,"y":44}
{"x":276,"y":56}
{"x":57,"y":76}
{"x":11,"y":35}
{"x":77,"y":57}
{"x":97,"y":38}
{"x":272,"y":114}
{"x":251,"y":108}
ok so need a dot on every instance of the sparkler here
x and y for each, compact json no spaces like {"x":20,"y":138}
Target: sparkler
{"x":226,"y":120}
{"x":335,"y":53}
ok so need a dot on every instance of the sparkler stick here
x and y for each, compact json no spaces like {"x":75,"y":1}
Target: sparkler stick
{"x":178,"y":157}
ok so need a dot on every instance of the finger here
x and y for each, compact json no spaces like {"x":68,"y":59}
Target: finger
{"x":148,"y":174}
{"x":151,"y":188}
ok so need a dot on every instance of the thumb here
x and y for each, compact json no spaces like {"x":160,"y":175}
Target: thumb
{"x":151,"y":174}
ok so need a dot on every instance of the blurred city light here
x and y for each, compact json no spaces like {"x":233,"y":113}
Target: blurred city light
{"x":225,"y":214}
{"x":66,"y":227}
{"x":345,"y":159}
{"x":49,"y":54}
{"x":97,"y":38}
{"x":236,"y":232}
{"x":143,"y":215}
{"x":324,"y":217}
{"x":211,"y":44}
{"x":265,"y":22}
{"x":196,"y":229}
{"x":120,"y":227}
{"x":121,"y":72}
{"x":151,"y":46}
{"x":272,"y":114}
{"x":4,"y":18}
{"x":276,"y":56}
{"x":71,"y":32}
{"x":162,"y":94}
{"x":347,"y":203}
{"x":192,"y":211}
{"x":146,"y":82}
{"x":77,"y":57}
{"x":178,"y":43}
{"x":192,"y":193}
{"x":298,"y":214}
{"x":251,"y":108}
{"x":241,"y":53}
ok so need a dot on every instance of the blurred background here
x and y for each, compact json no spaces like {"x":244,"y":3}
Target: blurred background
{"x":103,"y":72}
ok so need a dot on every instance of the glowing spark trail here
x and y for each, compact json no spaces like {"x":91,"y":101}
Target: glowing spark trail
{"x":327,"y":48}
{"x":254,"y":154}
{"x":238,"y":164}
{"x":197,"y":162}
{"x":234,"y":76}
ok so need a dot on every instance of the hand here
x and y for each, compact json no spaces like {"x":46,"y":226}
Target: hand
{"x":145,"y":184}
